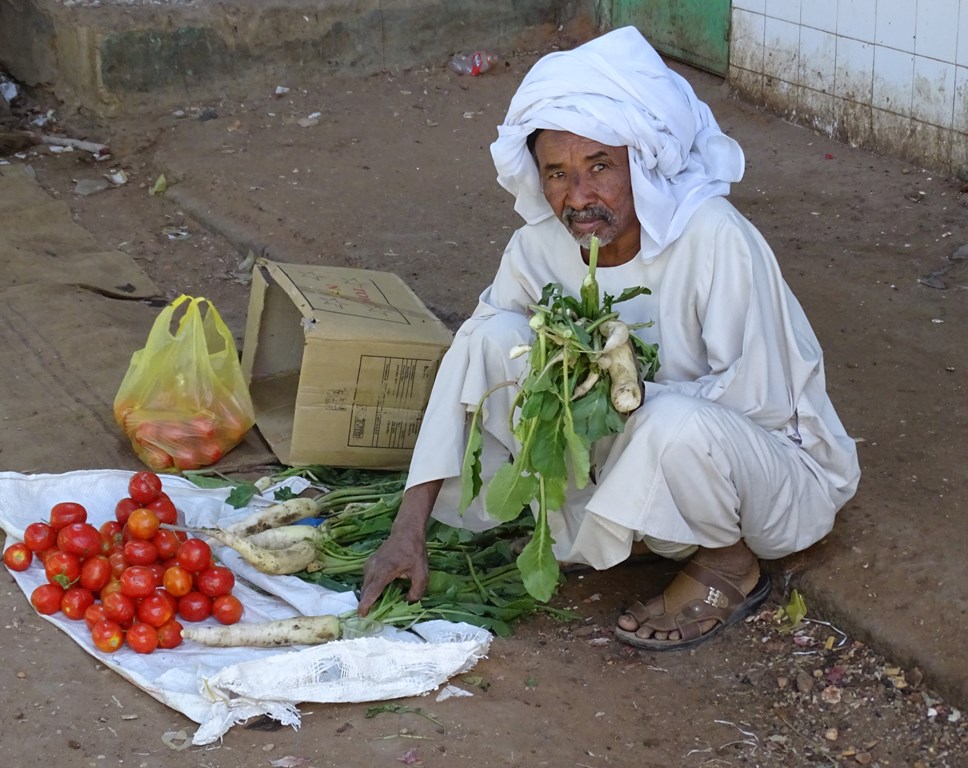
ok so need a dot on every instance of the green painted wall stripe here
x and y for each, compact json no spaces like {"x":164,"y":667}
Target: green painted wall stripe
{"x":695,"y":31}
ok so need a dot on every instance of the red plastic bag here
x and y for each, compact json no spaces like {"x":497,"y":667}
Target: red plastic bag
{"x":183,"y":402}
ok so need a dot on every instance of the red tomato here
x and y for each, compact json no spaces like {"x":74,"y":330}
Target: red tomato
{"x":111,"y":534}
{"x":165,"y":509}
{"x":143,"y":524}
{"x":18,"y":557}
{"x":215,"y":581}
{"x":39,"y":536}
{"x":107,"y":636}
{"x":114,"y":585}
{"x":119,"y":607}
{"x":118,"y":563}
{"x":209,"y":452}
{"x":95,"y":573}
{"x":158,"y":571}
{"x":151,"y":455}
{"x":47,"y":598}
{"x":81,"y":539}
{"x":169,"y":634}
{"x":75,"y":601}
{"x":62,"y":567}
{"x":116,"y":547}
{"x":142,"y":638}
{"x":94,"y":614}
{"x":140,"y":552}
{"x":137,"y":581}
{"x":42,"y":556}
{"x":172,"y":600}
{"x":194,"y":606}
{"x":194,"y":555}
{"x":187,"y":459}
{"x":177,"y":581}
{"x":144,"y":487}
{"x":202,"y":426}
{"x":227,"y":609}
{"x":124,"y":508}
{"x":65,"y":513}
{"x":167,"y":544}
{"x":155,"y":610}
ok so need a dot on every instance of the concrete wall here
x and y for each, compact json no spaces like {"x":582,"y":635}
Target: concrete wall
{"x":118,"y":56}
{"x":891,"y":75}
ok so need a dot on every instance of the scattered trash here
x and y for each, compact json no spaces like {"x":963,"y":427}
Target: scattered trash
{"x":57,"y":149}
{"x":117,"y":177}
{"x":452,"y":692}
{"x":176,"y":740}
{"x":473,"y":63}
{"x":792,"y":614}
{"x":86,"y":187}
{"x":160,"y":185}
{"x":281,"y":90}
{"x":411,"y":757}
{"x":42,"y":120}
{"x":8,"y":89}
{"x":290,"y":761}
{"x":477,"y":681}
{"x":309,"y":120}
{"x":243,"y":272}
{"x":176,"y":232}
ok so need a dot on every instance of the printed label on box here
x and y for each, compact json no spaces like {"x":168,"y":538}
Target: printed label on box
{"x":394,"y":418}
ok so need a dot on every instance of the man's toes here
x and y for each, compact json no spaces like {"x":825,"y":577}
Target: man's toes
{"x":628,"y":622}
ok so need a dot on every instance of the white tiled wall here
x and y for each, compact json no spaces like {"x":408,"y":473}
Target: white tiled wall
{"x":888,"y":74}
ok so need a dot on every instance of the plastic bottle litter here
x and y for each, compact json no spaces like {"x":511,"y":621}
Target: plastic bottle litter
{"x":473,"y":63}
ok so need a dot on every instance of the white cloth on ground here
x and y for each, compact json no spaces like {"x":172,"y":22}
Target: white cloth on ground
{"x":730,"y":334}
{"x":616,"y":90}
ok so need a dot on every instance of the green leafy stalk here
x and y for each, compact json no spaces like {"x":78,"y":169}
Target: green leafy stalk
{"x":564,"y":406}
{"x":589,"y":286}
{"x":537,"y":563}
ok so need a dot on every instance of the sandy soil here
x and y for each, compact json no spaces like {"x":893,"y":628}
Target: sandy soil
{"x":394,"y":174}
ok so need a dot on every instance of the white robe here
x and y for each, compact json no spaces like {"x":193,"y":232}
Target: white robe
{"x":737,"y":437}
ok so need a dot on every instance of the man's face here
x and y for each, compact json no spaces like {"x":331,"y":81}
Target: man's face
{"x":588,"y":186}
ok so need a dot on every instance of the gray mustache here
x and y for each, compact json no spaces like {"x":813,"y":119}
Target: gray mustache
{"x":587,"y":214}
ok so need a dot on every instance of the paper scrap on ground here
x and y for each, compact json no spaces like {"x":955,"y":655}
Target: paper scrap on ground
{"x":219,"y":688}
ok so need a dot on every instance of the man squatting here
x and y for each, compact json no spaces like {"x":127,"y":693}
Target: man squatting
{"x":736,"y":453}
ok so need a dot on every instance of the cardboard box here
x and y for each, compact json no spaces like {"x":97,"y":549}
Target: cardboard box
{"x":340,"y":364}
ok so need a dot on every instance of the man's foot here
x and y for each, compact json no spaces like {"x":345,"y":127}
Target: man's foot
{"x":716,"y":589}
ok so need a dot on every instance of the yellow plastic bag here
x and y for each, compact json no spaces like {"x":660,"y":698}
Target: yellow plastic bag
{"x":183,"y":402}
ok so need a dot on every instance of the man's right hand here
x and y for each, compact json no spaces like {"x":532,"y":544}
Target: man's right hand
{"x":404,"y":554}
{"x":401,"y":556}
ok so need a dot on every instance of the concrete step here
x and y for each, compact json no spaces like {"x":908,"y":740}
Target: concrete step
{"x":102,"y":58}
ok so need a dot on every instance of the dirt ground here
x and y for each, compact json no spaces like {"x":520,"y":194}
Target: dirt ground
{"x":392,"y":172}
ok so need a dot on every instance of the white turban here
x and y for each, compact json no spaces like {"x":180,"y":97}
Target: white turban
{"x":616,"y":90}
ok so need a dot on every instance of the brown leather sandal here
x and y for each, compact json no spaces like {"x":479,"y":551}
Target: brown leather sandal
{"x":684,"y":613}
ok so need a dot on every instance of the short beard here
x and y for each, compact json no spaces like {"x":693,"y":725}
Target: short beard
{"x":568,"y":215}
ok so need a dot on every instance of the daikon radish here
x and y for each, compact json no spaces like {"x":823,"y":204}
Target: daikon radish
{"x":301,"y":630}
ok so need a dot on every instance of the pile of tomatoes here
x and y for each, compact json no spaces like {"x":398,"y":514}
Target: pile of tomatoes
{"x":131,"y":580}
